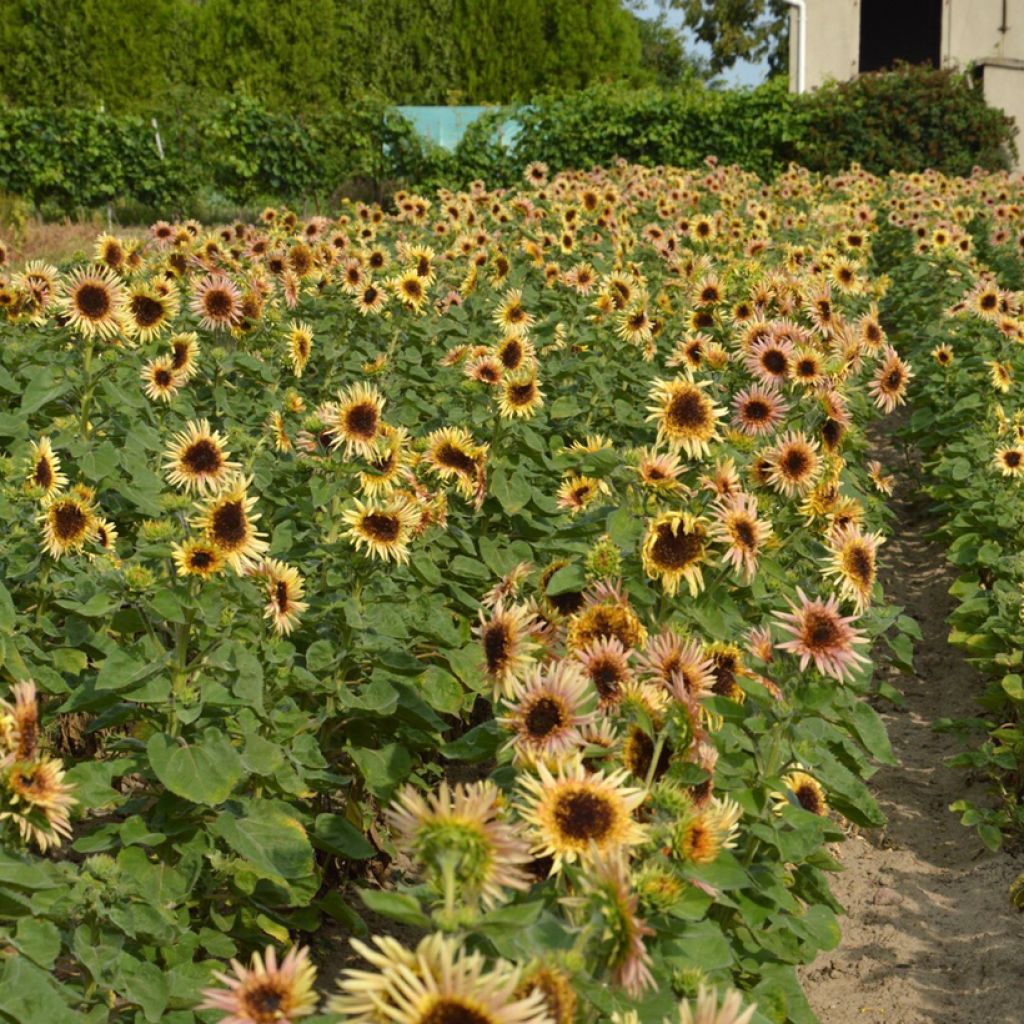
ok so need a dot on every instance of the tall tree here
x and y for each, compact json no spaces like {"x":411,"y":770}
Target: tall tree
{"x":753,"y":30}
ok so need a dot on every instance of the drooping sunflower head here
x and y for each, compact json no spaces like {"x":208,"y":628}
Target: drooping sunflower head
{"x":300,"y":345}
{"x":197,"y":459}
{"x":702,"y":835}
{"x":673,"y":550}
{"x":605,"y":616}
{"x":726,"y":667}
{"x":803,"y":790}
{"x":19,"y":723}
{"x":44,"y":469}
{"x":184,"y":354}
{"x":453,"y":454}
{"x":284,"y":595}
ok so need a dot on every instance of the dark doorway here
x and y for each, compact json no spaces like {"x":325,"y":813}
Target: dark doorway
{"x":892,"y":30}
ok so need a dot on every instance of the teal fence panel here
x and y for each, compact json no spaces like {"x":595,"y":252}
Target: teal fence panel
{"x":445,"y":126}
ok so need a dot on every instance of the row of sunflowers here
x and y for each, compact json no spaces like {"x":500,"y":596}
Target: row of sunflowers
{"x":472,"y":608}
{"x":969,"y":429}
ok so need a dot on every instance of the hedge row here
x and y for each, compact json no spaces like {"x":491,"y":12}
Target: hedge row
{"x":905,"y":120}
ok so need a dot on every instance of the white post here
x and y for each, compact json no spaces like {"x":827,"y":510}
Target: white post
{"x":156,"y":134}
{"x":801,"y":43}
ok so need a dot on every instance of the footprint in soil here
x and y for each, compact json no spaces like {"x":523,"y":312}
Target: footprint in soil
{"x":929,"y":935}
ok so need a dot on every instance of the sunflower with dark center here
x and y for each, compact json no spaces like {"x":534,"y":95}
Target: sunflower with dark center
{"x":92,"y":300}
{"x":638,"y":752}
{"x":521,"y":396}
{"x":794,"y":464}
{"x":197,"y":558}
{"x":228,"y":523}
{"x":853,"y":562}
{"x":1009,"y":461}
{"x":575,"y":812}
{"x":216,"y":300}
{"x":687,"y":418}
{"x":611,"y":619}
{"x":68,"y":522}
{"x":284,"y":595}
{"x":550,"y":707}
{"x":453,"y":454}
{"x":356,"y":420}
{"x":384,"y":528}
{"x":266,"y":992}
{"x":148,"y":311}
{"x":821,"y":634}
{"x":45,"y":472}
{"x":197,"y":459}
{"x":805,"y":791}
{"x":673,"y":550}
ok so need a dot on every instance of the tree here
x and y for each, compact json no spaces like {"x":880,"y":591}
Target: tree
{"x":664,"y":57}
{"x":753,"y":30}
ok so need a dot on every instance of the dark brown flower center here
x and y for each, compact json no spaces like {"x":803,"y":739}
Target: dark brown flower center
{"x":511,"y":354}
{"x":263,"y":1003}
{"x":218,"y":303}
{"x":820,"y":631}
{"x":756,"y":410}
{"x":794,"y":463}
{"x":809,"y":799}
{"x":521,"y":394}
{"x":452,"y":457}
{"x":162,"y":377}
{"x":202,"y":456}
{"x":230,"y":527}
{"x":606,"y":676}
{"x":744,"y":532}
{"x":281,"y":596}
{"x":1012,"y":459}
{"x":544,"y":717}
{"x":676,"y":550}
{"x":43,"y":474}
{"x":69,"y":521}
{"x":859,"y":564}
{"x":496,"y":641}
{"x":583,"y":815}
{"x":93,"y":301}
{"x":774,"y":361}
{"x":200,"y":560}
{"x":450,"y":1011}
{"x":146,"y":311}
{"x":361,"y":420}
{"x":686,"y":411}
{"x":382,"y":527}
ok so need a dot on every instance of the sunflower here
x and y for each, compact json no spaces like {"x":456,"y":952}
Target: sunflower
{"x":576,"y":814}
{"x":687,"y":418}
{"x":511,"y":316}
{"x":227,"y":521}
{"x":737,"y":525}
{"x":265,"y":992}
{"x":19,"y":724}
{"x":606,"y":613}
{"x":106,"y":534}
{"x":1000,"y":374}
{"x":514,"y":352}
{"x":706,"y":1009}
{"x":439,"y":983}
{"x":556,"y":990}
{"x":803,"y":790}
{"x":197,"y":459}
{"x":160,"y":378}
{"x":943,"y":355}
{"x":635,"y":326}
{"x":547,"y":710}
{"x":149,"y":311}
{"x":505,"y":637}
{"x":388,"y":464}
{"x":453,"y":454}
{"x":854,"y":562}
{"x":577,"y":493}
{"x":92,"y":300}
{"x":605,"y":663}
{"x":217,"y":301}
{"x":701,"y":835}
{"x":673,"y":549}
{"x":659,"y":470}
{"x":460,"y":840}
{"x":300,"y":345}
{"x":370,"y":299}
{"x":771,"y":360}
{"x":822,"y":634}
{"x":485,"y":369}
{"x":355,"y":420}
{"x":39,"y":802}
{"x":521,"y":395}
{"x":45,"y":472}
{"x":110,"y":251}
{"x":1009,"y":461}
{"x":385,"y":528}
{"x":677,"y":664}
{"x":69,"y":520}
{"x":284,"y":595}
{"x":794,"y":463}
{"x":197,"y":558}
{"x":184,"y":353}
{"x":889,"y":384}
{"x":410,"y":289}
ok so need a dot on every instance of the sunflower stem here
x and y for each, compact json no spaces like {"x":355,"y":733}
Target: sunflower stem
{"x":659,"y":746}
{"x":87,"y":387}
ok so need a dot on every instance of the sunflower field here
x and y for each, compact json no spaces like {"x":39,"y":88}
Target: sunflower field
{"x":468,"y":614}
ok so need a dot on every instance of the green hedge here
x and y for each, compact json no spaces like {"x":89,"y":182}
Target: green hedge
{"x":239,"y":152}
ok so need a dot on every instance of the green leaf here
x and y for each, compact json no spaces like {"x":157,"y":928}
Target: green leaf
{"x":29,"y":994}
{"x":268,"y":837}
{"x":479,"y":744}
{"x":205,"y":772}
{"x":395,"y":905}
{"x":8,"y":613}
{"x":567,"y":580}
{"x":382,"y":769}
{"x":39,"y":940}
{"x":339,"y":836}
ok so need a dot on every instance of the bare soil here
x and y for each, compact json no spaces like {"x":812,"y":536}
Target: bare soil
{"x":930,"y":934}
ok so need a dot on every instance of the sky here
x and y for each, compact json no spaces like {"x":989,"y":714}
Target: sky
{"x":741,"y":73}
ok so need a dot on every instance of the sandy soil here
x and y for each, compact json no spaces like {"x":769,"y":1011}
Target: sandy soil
{"x":930,"y":934}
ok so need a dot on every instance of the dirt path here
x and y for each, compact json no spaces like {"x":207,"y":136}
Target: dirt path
{"x":930,"y":935}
